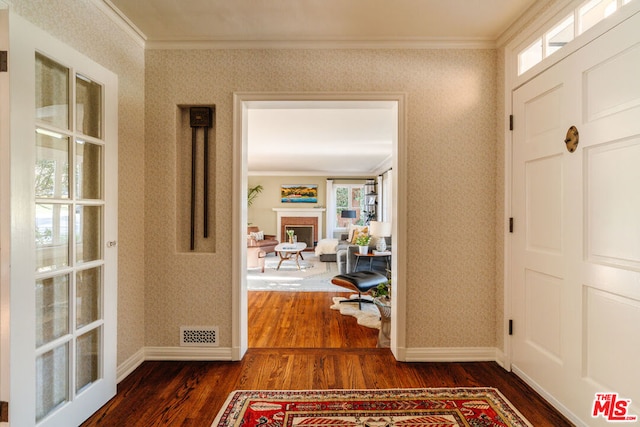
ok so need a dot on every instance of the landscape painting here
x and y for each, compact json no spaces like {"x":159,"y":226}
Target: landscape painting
{"x":299,"y":193}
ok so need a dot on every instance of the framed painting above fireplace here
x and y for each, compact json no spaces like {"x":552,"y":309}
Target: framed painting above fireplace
{"x":299,"y":193}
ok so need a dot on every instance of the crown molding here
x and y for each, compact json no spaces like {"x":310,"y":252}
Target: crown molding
{"x":538,"y":11}
{"x":121,"y":20}
{"x":434,"y":43}
{"x":118,"y":17}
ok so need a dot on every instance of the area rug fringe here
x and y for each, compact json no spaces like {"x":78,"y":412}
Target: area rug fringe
{"x":458,"y":406}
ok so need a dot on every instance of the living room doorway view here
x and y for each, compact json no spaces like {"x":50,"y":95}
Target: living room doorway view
{"x":318,"y":172}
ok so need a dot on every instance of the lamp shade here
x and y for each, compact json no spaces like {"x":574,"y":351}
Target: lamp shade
{"x":348,"y":213}
{"x":380,"y":229}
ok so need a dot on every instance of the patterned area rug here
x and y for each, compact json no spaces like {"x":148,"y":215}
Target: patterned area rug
{"x":442,"y":407}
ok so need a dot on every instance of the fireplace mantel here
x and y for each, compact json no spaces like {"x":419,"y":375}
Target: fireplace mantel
{"x":298,"y":212}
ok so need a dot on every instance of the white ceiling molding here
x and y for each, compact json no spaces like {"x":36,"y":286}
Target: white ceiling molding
{"x":332,"y":24}
{"x":121,"y":20}
{"x":441,"y":43}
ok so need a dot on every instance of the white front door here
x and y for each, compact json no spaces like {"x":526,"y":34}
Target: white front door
{"x":63,"y":232}
{"x":576,"y":239}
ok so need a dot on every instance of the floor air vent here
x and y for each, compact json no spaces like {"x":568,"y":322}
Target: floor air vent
{"x":199,"y":336}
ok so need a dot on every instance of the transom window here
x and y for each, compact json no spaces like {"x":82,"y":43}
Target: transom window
{"x":586,"y":15}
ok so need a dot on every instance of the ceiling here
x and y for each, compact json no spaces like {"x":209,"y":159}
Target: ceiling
{"x":315,"y":21}
{"x":316,"y":139}
{"x":351,"y":138}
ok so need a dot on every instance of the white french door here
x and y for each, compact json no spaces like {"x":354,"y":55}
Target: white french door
{"x":576,"y":240}
{"x":64,"y":230}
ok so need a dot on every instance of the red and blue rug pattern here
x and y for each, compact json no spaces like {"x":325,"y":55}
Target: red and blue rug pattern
{"x":441,"y":407}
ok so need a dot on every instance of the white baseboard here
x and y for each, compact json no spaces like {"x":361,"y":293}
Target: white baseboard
{"x":549,"y":398}
{"x":452,"y":354}
{"x":440,"y":354}
{"x":188,"y":353}
{"x":500,"y":358}
{"x":170,"y":353}
{"x":129,"y":365}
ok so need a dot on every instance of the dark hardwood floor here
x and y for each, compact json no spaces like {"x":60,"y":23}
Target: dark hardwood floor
{"x":297,"y":343}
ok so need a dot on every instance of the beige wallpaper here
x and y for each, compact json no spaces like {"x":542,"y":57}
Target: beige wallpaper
{"x":455,"y":173}
{"x":451,"y":172}
{"x":85,"y":28}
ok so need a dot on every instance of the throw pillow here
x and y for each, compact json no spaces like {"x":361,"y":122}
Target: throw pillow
{"x":360,"y":231}
{"x":352,"y":228}
{"x":258,"y":235}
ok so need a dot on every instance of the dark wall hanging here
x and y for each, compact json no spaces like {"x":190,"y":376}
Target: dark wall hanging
{"x":200,"y":117}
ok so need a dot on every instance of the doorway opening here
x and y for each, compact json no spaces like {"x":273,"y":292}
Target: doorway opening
{"x":243,"y":107}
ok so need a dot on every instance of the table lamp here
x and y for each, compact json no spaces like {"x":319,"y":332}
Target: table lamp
{"x":380,"y":230}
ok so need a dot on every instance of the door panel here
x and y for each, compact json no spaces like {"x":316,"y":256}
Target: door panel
{"x":64,"y":210}
{"x":543,"y":298}
{"x":576,"y":254}
{"x":611,"y":212}
{"x":539,"y":268}
{"x":544,"y":183}
{"x":612,"y":86}
{"x":611,"y":323}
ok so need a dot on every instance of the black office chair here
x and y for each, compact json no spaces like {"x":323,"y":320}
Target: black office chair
{"x":360,"y":281}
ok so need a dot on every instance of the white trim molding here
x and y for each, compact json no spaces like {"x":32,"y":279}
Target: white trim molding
{"x":452,"y":354}
{"x":129,"y":365}
{"x":242,"y":102}
{"x":188,"y":353}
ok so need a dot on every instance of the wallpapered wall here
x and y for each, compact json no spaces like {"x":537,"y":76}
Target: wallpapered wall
{"x":451,"y":171}
{"x":455,"y":173}
{"x":82,"y":26}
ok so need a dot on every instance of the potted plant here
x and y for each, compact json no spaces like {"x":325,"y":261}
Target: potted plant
{"x":252,"y":193}
{"x":363,"y":242}
{"x":382,"y":292}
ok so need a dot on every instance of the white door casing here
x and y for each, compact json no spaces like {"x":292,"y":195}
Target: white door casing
{"x":576,"y":240}
{"x":242,"y":102}
{"x":82,"y":398}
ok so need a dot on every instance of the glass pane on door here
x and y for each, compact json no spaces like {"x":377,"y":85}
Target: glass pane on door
{"x":52,"y":92}
{"x":52,"y":380}
{"x":52,"y":165}
{"x":52,"y":236}
{"x":88,"y":107}
{"x":88,"y":296}
{"x":88,"y":233}
{"x":87,"y":366}
{"x":52,"y":309}
{"x":88,"y":170}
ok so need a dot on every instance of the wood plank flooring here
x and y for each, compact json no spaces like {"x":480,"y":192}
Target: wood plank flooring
{"x":299,"y":345}
{"x":304,"y":320}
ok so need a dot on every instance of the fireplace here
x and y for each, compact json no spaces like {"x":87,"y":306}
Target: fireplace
{"x":307,"y":224}
{"x":298,"y":223}
{"x":303,"y":233}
